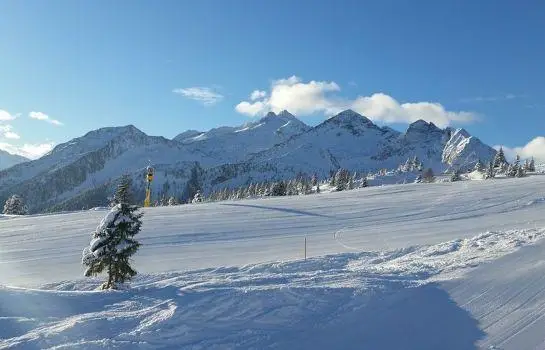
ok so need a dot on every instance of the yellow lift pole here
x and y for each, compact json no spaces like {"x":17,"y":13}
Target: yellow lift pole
{"x":149,"y":179}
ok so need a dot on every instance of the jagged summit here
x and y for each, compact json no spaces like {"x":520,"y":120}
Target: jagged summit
{"x":422,"y":126}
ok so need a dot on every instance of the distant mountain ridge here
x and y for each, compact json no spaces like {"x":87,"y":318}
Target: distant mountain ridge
{"x":81,"y":173}
{"x":8,"y":160}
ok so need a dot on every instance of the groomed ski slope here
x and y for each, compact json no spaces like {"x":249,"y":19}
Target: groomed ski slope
{"x":440,"y":266}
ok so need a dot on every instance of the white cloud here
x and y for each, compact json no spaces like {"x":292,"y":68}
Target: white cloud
{"x":31,"y":151}
{"x":257,"y":94}
{"x":205,"y":95}
{"x":6,"y":116}
{"x":534,"y":148}
{"x":317,"y":97}
{"x":44,"y":117}
{"x":7,"y":132}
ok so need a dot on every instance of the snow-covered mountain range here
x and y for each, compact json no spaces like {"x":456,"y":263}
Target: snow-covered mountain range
{"x":8,"y":160}
{"x":80,"y":173}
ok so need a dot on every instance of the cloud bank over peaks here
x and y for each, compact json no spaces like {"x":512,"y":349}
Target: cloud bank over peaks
{"x":320,"y":97}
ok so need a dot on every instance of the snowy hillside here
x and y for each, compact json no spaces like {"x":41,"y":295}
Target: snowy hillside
{"x":351,"y":141}
{"x":8,"y":160}
{"x":80,"y":173}
{"x":420,"y":266}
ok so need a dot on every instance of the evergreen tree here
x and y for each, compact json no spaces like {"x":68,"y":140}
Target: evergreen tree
{"x":428,"y":176}
{"x":364,"y":182}
{"x":113,"y":243}
{"x":314,"y":180}
{"x":15,"y":206}
{"x":172,"y":201}
{"x":455,"y":176}
{"x":351,"y":184}
{"x":513,"y":169}
{"x":479,"y":167}
{"x":531,"y":165}
{"x":123,"y":192}
{"x":342,"y":177}
{"x":279,"y":189}
{"x":418,"y":179}
{"x":332,"y":180}
{"x":520,"y":172}
{"x":499,"y":159}
{"x":416,"y":164}
{"x":318,"y":188}
{"x":164,"y":201}
{"x":197,"y":198}
{"x":490,"y":171}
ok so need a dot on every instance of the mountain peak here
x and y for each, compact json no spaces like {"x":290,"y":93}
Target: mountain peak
{"x":350,"y":116}
{"x":422,"y":125}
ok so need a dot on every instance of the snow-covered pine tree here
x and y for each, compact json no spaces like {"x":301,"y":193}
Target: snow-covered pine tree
{"x":172,"y":201}
{"x":15,"y":205}
{"x":364,"y":182}
{"x":479,"y":167}
{"x":520,"y":172}
{"x":490,"y":171}
{"x":314,"y":180}
{"x":113,"y":243}
{"x":197,"y":198}
{"x":455,"y":176}
{"x":514,"y":168}
{"x":342,"y":177}
{"x":318,"y":188}
{"x":350,"y":185}
{"x":416,"y":165}
{"x":332,"y":179}
{"x":532,"y":165}
{"x":164,"y":201}
{"x":278,"y":189}
{"x":499,"y":160}
{"x":123,"y":192}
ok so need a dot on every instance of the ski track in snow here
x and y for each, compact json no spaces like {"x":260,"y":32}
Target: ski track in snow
{"x":389,"y":268}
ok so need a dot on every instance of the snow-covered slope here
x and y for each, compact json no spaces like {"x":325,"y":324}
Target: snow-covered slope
{"x":422,"y":266}
{"x":350,"y":140}
{"x":235,"y":144}
{"x":8,"y":160}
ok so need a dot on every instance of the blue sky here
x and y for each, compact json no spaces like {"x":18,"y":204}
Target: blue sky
{"x":174,"y":65}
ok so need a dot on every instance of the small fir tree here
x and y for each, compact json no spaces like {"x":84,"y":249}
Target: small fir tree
{"x":197,"y":198}
{"x":342,"y":178}
{"x":520,"y":172}
{"x":428,"y":176}
{"x":113,"y":243}
{"x":15,"y":205}
{"x":279,"y":189}
{"x":490,"y":171}
{"x":456,"y":176}
{"x":499,"y":160}
{"x":479,"y":167}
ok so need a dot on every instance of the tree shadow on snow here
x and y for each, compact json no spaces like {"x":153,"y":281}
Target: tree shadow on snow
{"x":285,"y":210}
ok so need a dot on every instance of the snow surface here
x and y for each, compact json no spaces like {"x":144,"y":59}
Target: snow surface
{"x":417,"y":266}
